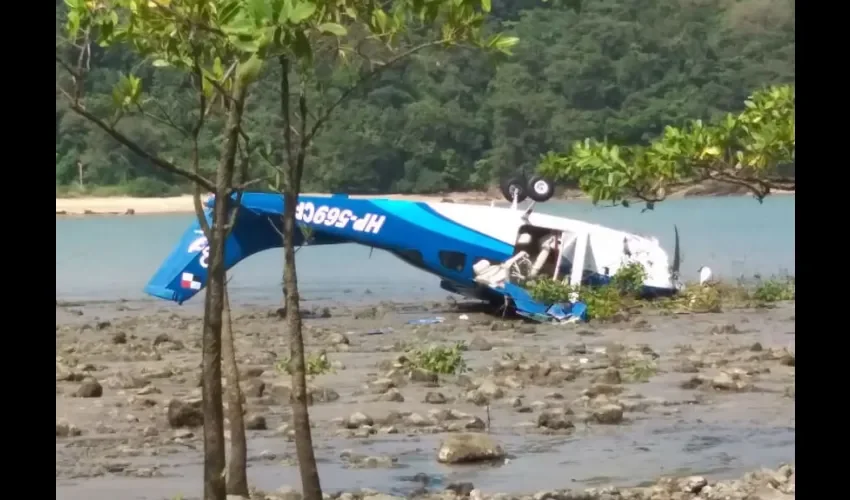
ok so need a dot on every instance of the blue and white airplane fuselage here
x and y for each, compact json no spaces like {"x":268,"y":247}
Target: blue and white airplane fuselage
{"x":477,"y":250}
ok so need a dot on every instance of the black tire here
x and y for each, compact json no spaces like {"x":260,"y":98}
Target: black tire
{"x":514,"y":185}
{"x":540,"y":189}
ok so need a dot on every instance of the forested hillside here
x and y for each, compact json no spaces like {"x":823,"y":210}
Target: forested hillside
{"x":621,"y":69}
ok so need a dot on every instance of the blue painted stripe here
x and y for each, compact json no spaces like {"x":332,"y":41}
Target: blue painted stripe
{"x":415,"y":214}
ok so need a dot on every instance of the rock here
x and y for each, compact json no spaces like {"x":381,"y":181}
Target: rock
{"x":477,"y":397}
{"x":256,"y":423}
{"x":757,"y":347}
{"x":725,"y":382}
{"x":281,"y":393}
{"x":381,"y":385}
{"x":461,"y":489}
{"x":252,"y":388}
{"x":420,"y":375}
{"x":602,"y":389}
{"x":122,"y":380}
{"x":478,"y":343}
{"x":338,"y":339}
{"x":323,"y":394}
{"x":381,"y":496}
{"x":693,"y":484}
{"x":512,"y":382}
{"x":491,"y":390}
{"x":357,"y":420}
{"x":469,"y":448}
{"x":287,"y":493}
{"x":184,"y":414}
{"x":393,"y":396}
{"x":609,"y":414}
{"x":725,"y":329}
{"x":90,"y":388}
{"x":554,"y":420}
{"x":161,"y":339}
{"x":416,"y":420}
{"x":119,"y":338}
{"x":788,"y":359}
{"x":687,"y":367}
{"x":66,"y":429}
{"x":609,"y":376}
{"x":435,"y":398}
{"x":476,"y":424}
{"x":248,"y":372}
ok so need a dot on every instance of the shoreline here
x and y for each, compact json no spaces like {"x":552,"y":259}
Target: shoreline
{"x":127,"y":205}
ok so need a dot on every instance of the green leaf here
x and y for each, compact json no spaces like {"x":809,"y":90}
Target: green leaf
{"x":486,"y":5}
{"x":504,"y":43}
{"x":302,"y":12}
{"x":228,"y":12}
{"x":332,"y":28}
{"x":160,"y":63}
{"x":245,"y":44}
{"x":249,"y":71}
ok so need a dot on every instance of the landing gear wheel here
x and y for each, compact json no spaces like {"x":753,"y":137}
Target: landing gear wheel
{"x":540,"y":189}
{"x":514,"y":186}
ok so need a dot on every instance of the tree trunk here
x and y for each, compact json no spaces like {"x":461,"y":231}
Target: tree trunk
{"x":214,"y":461}
{"x":214,"y":457}
{"x":300,"y":417}
{"x":310,"y":485}
{"x":237,"y":473}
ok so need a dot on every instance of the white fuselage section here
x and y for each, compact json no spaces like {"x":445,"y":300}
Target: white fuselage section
{"x":607,"y":250}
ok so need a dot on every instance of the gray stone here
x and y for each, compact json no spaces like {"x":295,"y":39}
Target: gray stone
{"x":89,"y":388}
{"x":468,"y":448}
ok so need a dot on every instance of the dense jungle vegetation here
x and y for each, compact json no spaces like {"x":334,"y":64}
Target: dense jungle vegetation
{"x":617,"y":69}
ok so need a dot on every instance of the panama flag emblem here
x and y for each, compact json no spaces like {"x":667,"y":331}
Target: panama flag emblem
{"x":188,"y":281}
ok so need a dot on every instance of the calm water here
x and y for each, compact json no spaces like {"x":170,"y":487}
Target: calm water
{"x":109,"y":258}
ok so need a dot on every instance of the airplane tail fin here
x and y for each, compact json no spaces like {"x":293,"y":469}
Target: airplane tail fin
{"x":184,"y":272}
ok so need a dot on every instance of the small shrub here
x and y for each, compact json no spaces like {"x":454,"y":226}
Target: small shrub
{"x":549,"y":291}
{"x":629,"y":279}
{"x":447,"y":360}
{"x":316,"y":364}
{"x":703,"y":299}
{"x":603,"y":302}
{"x":640,"y":371}
{"x":775,"y":290}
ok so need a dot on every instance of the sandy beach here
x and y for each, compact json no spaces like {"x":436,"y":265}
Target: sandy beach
{"x":125,"y":205}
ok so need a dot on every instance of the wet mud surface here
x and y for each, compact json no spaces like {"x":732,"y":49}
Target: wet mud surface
{"x":573,"y":406}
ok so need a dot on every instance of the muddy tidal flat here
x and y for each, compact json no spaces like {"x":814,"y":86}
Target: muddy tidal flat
{"x":655,"y":407}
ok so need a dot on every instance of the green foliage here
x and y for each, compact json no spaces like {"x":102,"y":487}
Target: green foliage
{"x":316,"y":364}
{"x":629,"y":279}
{"x":640,"y":371}
{"x":603,"y":302}
{"x":702,"y":299}
{"x":747,"y":149}
{"x":775,"y":290}
{"x":446,"y":360}
{"x":440,"y":120}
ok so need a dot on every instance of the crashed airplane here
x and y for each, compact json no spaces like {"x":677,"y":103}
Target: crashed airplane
{"x":478,"y":251}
